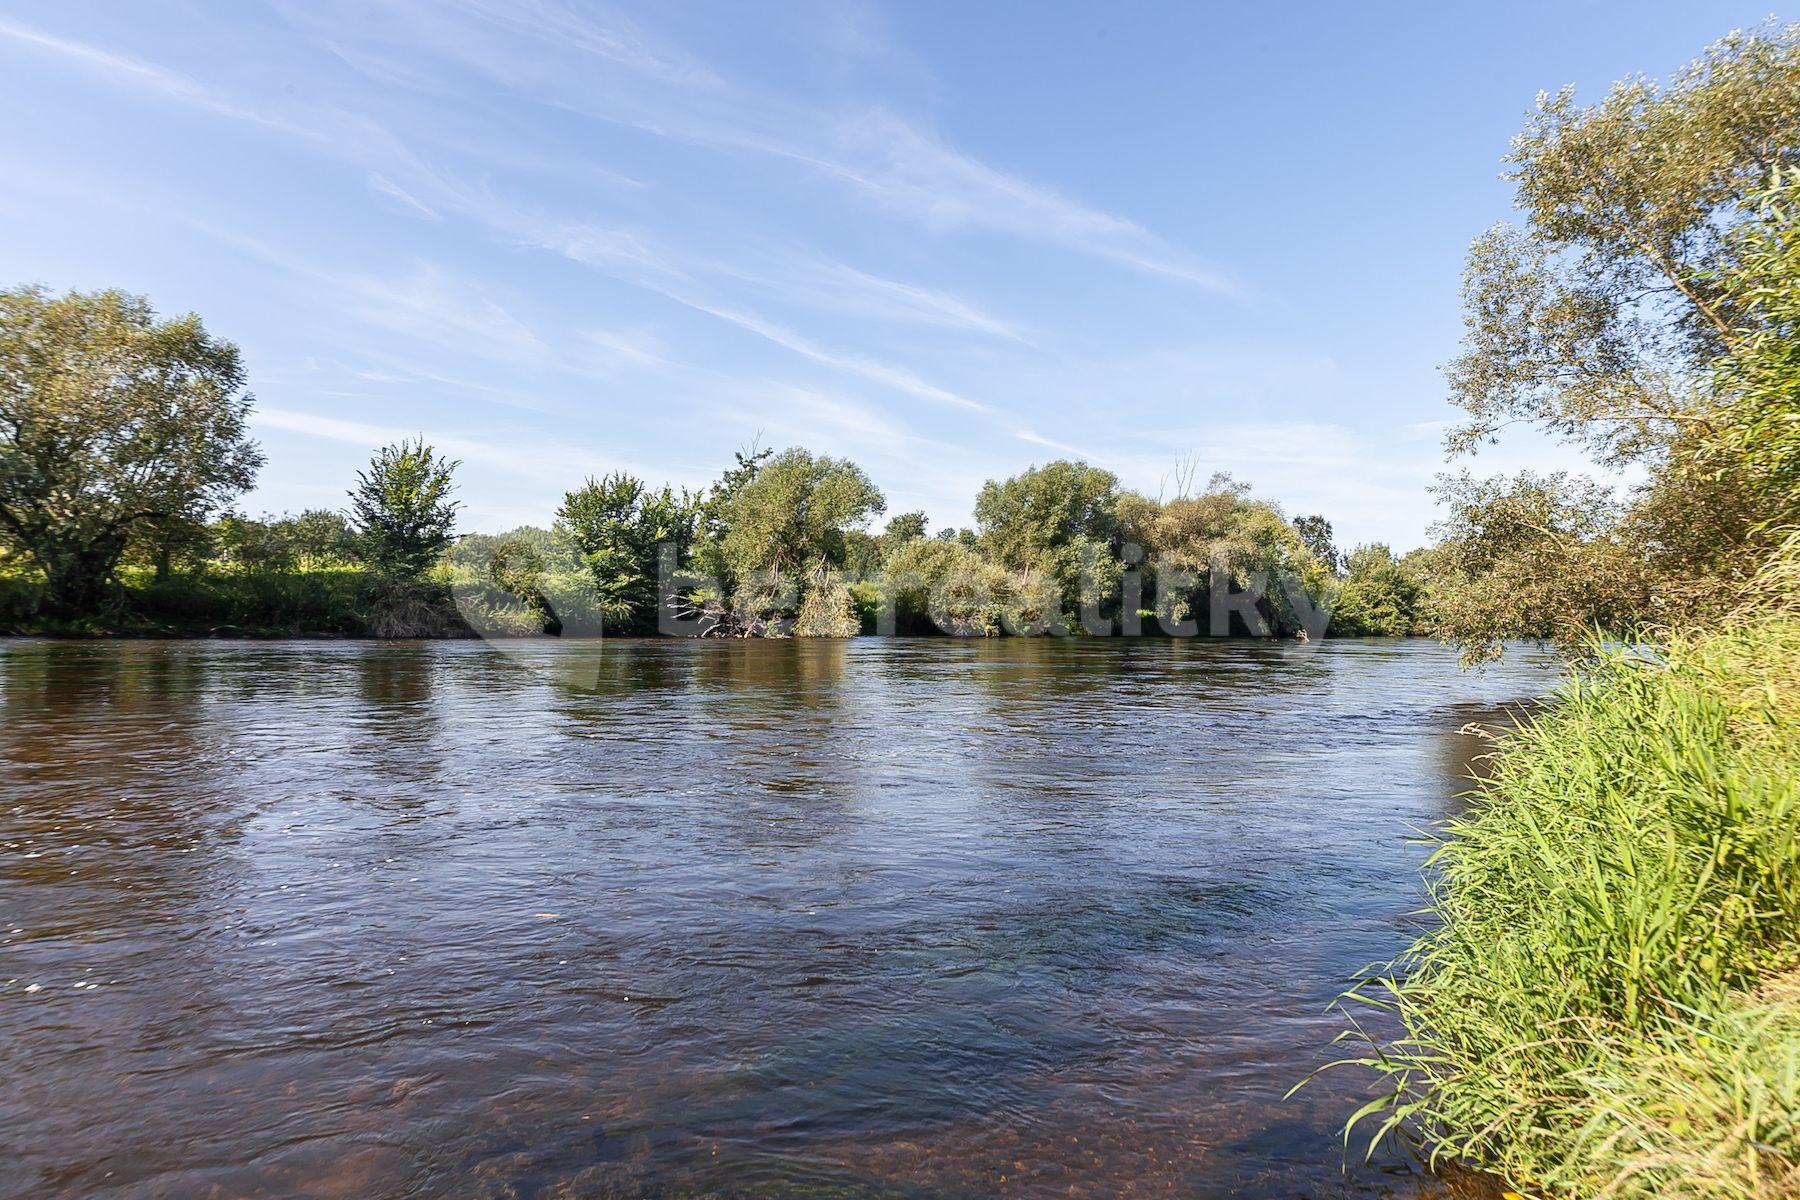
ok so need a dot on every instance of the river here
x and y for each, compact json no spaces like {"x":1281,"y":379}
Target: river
{"x":886,"y":918}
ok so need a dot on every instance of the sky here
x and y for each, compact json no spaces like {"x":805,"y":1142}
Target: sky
{"x":945,"y":240}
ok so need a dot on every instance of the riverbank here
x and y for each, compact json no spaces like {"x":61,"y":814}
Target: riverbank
{"x":1610,"y":1004}
{"x":352,"y":602}
{"x":332,"y":602}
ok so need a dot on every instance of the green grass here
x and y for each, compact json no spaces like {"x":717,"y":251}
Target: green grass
{"x":332,"y":601}
{"x":1609,"y":1001}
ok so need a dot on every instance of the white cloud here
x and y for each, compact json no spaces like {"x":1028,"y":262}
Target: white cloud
{"x":543,"y":458}
{"x":546,"y":49}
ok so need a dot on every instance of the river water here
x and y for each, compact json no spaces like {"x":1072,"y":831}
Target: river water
{"x":884,"y":918}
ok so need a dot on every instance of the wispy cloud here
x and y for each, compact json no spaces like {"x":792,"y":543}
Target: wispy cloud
{"x":128,"y":71}
{"x":542,"y":458}
{"x":388,"y":187}
{"x":628,"y":254}
{"x":547,"y":50}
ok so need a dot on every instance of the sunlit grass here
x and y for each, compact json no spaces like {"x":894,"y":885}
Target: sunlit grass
{"x":1610,"y":1002}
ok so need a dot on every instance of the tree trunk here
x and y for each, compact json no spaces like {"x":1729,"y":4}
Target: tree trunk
{"x":77,"y":576}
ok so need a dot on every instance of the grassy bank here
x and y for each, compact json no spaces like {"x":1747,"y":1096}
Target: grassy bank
{"x":323,"y":602}
{"x":1610,"y":1004}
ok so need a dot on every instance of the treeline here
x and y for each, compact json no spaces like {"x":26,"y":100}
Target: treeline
{"x":123,"y":443}
{"x":789,"y":543}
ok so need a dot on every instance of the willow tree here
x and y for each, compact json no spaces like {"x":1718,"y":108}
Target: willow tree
{"x":788,"y":526}
{"x":1596,"y":316}
{"x":1599,"y":316}
{"x":111,"y":423}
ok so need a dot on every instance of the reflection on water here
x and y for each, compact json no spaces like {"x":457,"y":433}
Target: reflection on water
{"x":879,"y":918}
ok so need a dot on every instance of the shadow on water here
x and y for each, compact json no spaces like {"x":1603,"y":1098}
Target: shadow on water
{"x":877,"y":918}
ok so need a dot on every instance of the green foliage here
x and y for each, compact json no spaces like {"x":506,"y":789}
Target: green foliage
{"x":1638,"y":312}
{"x":319,"y":538}
{"x":792,"y":516}
{"x":111,"y":423}
{"x":715,"y":513}
{"x":862,"y":553}
{"x":828,"y":610}
{"x":903,"y":527}
{"x":402,"y":512}
{"x":1608,"y":1002}
{"x":1534,"y":557}
{"x":1046,"y":526}
{"x":616,"y":527}
{"x":944,"y":585}
{"x":1220,"y":534}
{"x":1594,"y":318}
{"x":1315,"y":534}
{"x":1379,"y":597}
{"x":1759,"y":381}
{"x":519,"y":584}
{"x":1032,"y":519}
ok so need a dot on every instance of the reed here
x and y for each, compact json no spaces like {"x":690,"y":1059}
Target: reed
{"x":1608,"y":1002}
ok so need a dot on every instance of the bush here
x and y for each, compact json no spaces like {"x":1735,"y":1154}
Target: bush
{"x":1379,"y":597}
{"x":1610,"y":1003}
{"x":21,"y":598}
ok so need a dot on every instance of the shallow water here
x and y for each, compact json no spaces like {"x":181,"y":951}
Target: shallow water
{"x":909,"y":918}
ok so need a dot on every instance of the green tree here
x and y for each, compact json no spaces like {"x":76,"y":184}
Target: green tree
{"x":617,"y":527}
{"x":1535,"y":557}
{"x":1594,"y":318}
{"x":714,"y":519}
{"x":1221,"y":530}
{"x":1028,"y":519}
{"x":401,"y":510}
{"x":111,"y":423}
{"x":1053,"y":526}
{"x":1379,"y":596}
{"x":1315,"y":535}
{"x":901,"y":528}
{"x":320,"y":538}
{"x":1600,"y":319}
{"x":793,"y":514}
{"x":257,"y":547}
{"x":1759,"y":381}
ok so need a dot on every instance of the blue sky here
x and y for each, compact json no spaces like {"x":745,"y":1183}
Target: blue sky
{"x":945,"y":240}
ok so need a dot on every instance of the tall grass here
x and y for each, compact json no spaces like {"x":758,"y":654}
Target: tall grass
{"x":1609,"y":1002}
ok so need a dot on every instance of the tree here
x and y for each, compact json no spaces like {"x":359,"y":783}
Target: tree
{"x":1612,"y":318}
{"x":319,"y":537}
{"x":1052,"y":526}
{"x":792,"y":515}
{"x":1380,"y":595}
{"x":714,"y":517}
{"x":617,"y":527}
{"x":255,"y":547}
{"x":1759,"y":382}
{"x":1222,"y":537}
{"x":401,"y":510}
{"x":1537,"y":557}
{"x":1593,"y":318}
{"x":111,"y":423}
{"x":903,"y":527}
{"x":1315,"y":535}
{"x":1027,"y":518}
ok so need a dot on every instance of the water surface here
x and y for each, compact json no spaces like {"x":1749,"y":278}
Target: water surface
{"x":890,"y":918}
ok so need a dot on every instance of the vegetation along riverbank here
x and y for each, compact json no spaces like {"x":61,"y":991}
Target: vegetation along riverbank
{"x":125,"y":444}
{"x":1609,"y":1001}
